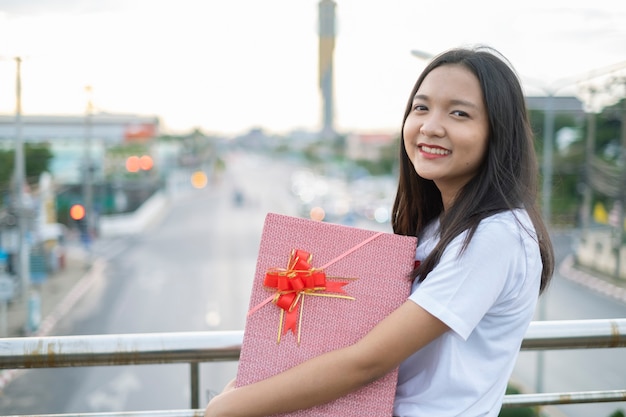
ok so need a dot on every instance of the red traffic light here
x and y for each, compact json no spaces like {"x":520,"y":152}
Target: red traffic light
{"x":77,"y":212}
{"x":135,"y":163}
{"x":146,"y":163}
{"x":132,"y":164}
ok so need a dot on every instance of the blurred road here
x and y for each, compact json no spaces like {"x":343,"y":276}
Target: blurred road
{"x":192,"y":271}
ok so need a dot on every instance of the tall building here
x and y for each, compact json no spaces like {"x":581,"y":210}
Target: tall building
{"x":326,"y":49}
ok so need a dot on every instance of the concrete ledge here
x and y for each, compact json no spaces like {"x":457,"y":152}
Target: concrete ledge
{"x":137,"y":221}
{"x":596,"y":251}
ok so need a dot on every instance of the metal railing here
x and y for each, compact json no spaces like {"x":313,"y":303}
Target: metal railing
{"x":199,"y":347}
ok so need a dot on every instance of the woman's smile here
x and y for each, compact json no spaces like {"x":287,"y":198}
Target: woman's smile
{"x":430,"y":151}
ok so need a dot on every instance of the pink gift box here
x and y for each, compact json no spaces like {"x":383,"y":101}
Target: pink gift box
{"x":376,"y":267}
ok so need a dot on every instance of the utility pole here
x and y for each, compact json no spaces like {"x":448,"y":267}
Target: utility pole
{"x":21,"y":211}
{"x":548,"y":148}
{"x":622,"y":194}
{"x":590,"y":146}
{"x":88,"y":170}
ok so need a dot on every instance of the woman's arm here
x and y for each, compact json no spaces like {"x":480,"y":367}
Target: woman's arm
{"x":337,"y":373}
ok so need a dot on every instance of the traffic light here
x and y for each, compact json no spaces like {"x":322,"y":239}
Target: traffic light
{"x":79,"y":215}
{"x":77,"y":212}
{"x":146,"y":163}
{"x":135,"y":163}
{"x":132,"y":164}
{"x":199,"y":179}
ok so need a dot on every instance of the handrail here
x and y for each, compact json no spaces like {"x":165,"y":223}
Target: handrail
{"x":198,"y":347}
{"x":575,"y":334}
{"x":156,"y":413}
{"x":531,"y":400}
{"x":119,"y":349}
{"x":187,"y":347}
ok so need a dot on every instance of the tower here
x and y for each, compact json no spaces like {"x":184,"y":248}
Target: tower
{"x":326,"y":49}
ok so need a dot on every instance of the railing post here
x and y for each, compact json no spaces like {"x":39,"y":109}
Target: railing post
{"x":195,"y":385}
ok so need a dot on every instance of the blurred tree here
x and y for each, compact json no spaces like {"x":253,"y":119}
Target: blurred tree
{"x":569,"y":162}
{"x":387,"y":162}
{"x":6,"y":170}
{"x":517,"y":411}
{"x":37,"y":159}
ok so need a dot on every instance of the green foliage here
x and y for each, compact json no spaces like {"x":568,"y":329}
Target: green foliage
{"x":381,"y":167}
{"x":608,"y":127}
{"x":387,"y":161}
{"x":127,"y":149}
{"x":618,"y":413}
{"x":37,"y":159}
{"x":569,"y":165}
{"x":517,"y":411}
{"x":6,"y":169}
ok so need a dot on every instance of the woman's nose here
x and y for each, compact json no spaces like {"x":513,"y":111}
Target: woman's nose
{"x":432,"y":126}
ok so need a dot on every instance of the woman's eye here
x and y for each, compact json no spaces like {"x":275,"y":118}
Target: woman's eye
{"x":460,"y":113}
{"x":419,"y":107}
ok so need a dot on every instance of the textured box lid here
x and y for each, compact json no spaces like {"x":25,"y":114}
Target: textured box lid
{"x":381,"y":267}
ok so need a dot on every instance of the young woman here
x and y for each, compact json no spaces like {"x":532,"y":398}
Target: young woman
{"x":467,"y":189}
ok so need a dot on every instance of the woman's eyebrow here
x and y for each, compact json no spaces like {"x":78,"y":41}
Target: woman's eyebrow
{"x":459,"y":102}
{"x":455,"y":102}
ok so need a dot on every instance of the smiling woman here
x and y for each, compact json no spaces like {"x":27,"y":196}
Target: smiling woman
{"x":467,"y":191}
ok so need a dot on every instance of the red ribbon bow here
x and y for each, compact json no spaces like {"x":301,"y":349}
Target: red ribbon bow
{"x":293,"y":283}
{"x":301,"y":278}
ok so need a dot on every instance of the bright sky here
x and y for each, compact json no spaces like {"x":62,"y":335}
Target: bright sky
{"x":228,"y":66}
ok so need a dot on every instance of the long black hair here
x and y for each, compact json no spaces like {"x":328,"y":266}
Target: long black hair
{"x":506,"y":180}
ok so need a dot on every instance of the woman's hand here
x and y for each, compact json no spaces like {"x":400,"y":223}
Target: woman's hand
{"x":335,"y":373}
{"x":230,"y":386}
{"x":213,"y":406}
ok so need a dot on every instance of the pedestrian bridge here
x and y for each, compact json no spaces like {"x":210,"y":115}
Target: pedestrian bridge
{"x":198,"y":347}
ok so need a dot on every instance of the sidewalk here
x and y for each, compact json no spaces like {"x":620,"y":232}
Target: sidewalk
{"x":593,"y":280}
{"x":62,"y":289}
{"x":57,"y":294}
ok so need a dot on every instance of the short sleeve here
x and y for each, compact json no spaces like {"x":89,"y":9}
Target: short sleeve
{"x":464,"y":285}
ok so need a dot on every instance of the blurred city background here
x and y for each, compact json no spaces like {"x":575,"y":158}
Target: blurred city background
{"x":156,"y":155}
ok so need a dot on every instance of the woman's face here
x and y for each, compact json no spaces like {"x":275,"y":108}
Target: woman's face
{"x":446,"y":132}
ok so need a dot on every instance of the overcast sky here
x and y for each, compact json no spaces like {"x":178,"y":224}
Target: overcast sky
{"x":227,"y":66}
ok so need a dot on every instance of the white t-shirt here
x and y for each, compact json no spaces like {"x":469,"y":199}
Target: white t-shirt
{"x":487,"y":296}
